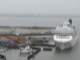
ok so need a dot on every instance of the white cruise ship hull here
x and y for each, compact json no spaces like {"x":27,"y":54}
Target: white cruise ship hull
{"x":65,"y":36}
{"x":68,"y":44}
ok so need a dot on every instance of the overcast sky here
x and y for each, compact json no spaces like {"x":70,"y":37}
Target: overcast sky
{"x":40,"y":7}
{"x":46,"y":7}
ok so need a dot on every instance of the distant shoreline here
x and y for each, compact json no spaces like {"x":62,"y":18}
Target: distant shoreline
{"x":28,"y":27}
{"x":38,"y":15}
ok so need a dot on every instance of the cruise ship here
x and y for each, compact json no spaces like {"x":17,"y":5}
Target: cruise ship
{"x":66,"y":35}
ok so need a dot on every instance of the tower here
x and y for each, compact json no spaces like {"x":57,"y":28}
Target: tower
{"x":70,"y":21}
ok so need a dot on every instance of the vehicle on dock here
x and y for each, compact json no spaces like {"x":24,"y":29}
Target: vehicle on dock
{"x":66,"y":36}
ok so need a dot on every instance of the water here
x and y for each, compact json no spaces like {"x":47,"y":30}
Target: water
{"x":37,"y":21}
{"x":67,"y":55}
{"x":74,"y":54}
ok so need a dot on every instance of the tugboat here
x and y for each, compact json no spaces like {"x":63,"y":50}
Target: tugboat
{"x":65,"y":36}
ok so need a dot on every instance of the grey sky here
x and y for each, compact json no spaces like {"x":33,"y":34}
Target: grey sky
{"x":55,"y":7}
{"x":39,"y":6}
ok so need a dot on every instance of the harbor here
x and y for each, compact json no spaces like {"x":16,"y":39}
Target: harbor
{"x":46,"y":55}
{"x":15,"y":38}
{"x":40,"y":38}
{"x":39,"y":30}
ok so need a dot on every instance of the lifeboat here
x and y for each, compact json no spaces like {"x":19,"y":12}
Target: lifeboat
{"x":66,"y":36}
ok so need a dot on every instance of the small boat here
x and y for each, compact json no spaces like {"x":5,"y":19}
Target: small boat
{"x":66,"y":36}
{"x":26,"y":50}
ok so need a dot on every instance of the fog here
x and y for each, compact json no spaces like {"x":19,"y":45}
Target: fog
{"x":42,"y":7}
{"x":54,"y":7}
